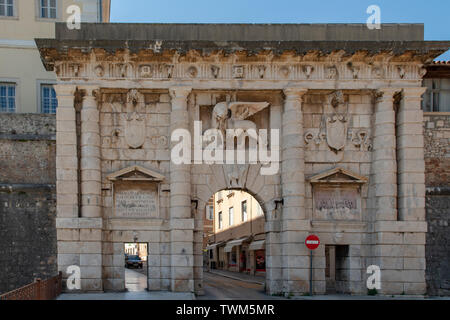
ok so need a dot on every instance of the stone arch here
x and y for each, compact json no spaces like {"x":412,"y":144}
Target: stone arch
{"x":206,"y":180}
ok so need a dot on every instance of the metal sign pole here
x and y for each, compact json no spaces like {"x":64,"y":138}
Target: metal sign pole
{"x":311,"y":273}
{"x":312,"y":242}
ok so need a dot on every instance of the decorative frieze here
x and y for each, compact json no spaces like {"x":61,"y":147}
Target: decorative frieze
{"x":251,"y":71}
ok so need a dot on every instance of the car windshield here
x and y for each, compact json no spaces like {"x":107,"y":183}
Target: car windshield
{"x":134,"y":258}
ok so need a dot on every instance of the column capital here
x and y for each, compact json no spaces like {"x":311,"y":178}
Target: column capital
{"x":90,"y":90}
{"x":412,"y":98}
{"x":294,"y":93}
{"x":180,"y":92}
{"x":63,"y":89}
{"x":92,"y":96}
{"x":385,"y":94}
{"x":414,"y":92}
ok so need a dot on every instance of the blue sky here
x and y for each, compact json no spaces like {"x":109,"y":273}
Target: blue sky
{"x":435,"y":14}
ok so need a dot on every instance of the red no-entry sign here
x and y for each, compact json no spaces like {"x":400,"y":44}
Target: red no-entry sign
{"x":312,"y":242}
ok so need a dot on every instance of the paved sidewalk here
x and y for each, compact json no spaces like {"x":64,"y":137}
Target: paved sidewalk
{"x":239,"y":276}
{"x":135,"y":281}
{"x":143,"y":295}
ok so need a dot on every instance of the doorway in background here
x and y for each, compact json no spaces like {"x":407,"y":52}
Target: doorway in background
{"x":136,"y":266}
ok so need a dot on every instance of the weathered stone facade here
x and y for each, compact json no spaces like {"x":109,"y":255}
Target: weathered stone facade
{"x":27,"y":199}
{"x":437,"y":179}
{"x":352,"y":155}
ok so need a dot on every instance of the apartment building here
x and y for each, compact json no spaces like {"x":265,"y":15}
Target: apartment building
{"x":25,"y":85}
{"x":238,"y":240}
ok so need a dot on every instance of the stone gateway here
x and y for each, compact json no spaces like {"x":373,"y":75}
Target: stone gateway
{"x":348,"y":109}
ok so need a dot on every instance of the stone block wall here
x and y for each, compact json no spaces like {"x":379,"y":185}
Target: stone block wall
{"x":437,"y":149}
{"x":27,"y":199}
{"x":437,"y":165}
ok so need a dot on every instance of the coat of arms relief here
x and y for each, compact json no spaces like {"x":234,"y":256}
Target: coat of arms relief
{"x":129,"y":120}
{"x":334,"y":128}
{"x":135,"y":130}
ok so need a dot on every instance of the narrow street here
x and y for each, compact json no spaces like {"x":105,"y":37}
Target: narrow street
{"x":222,"y":288}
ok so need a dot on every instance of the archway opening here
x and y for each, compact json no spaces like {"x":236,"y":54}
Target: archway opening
{"x":234,"y":242}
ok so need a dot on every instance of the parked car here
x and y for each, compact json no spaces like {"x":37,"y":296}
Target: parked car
{"x":133,"y":261}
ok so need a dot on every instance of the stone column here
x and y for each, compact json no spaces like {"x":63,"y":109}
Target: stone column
{"x":411,"y":163}
{"x":182,"y":222}
{"x":384,"y":165}
{"x":400,"y":243}
{"x":411,"y":191}
{"x":91,"y":193}
{"x":383,"y":187}
{"x":294,"y":227}
{"x":273,"y":213}
{"x":66,"y":179}
{"x":91,"y":187}
{"x":66,"y":153}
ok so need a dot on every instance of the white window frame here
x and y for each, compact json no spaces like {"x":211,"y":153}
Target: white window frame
{"x":244,"y":217}
{"x":231,"y":216}
{"x":15,"y":15}
{"x":15,"y":84}
{"x":220,"y":220}
{"x":58,"y":11}
{"x":40,"y":83}
{"x":209,"y":212}
{"x":431,"y":94}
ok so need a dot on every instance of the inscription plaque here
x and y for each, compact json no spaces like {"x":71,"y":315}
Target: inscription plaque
{"x":136,"y":203}
{"x":335,"y":203}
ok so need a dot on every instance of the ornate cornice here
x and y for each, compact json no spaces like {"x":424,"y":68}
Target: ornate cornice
{"x":240,"y":52}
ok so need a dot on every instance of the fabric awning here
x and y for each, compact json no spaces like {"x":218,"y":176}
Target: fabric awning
{"x":257,"y":245}
{"x":234,"y":243}
{"x":214,"y":245}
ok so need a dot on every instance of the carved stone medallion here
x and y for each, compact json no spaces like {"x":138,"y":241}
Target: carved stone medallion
{"x":146,"y":71}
